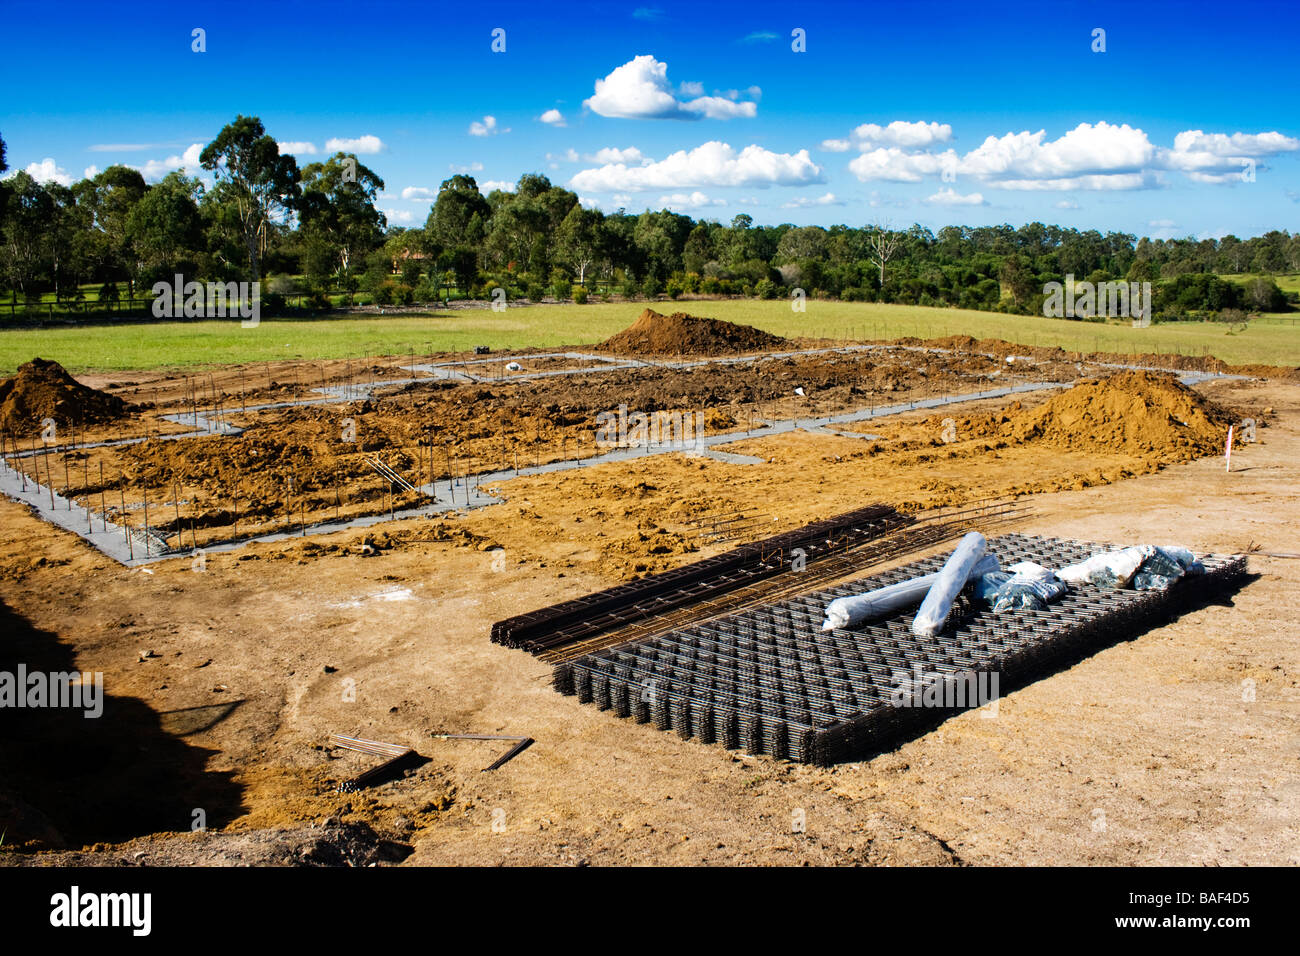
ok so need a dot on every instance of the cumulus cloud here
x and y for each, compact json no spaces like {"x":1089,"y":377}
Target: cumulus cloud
{"x":46,"y":171}
{"x":695,"y":200}
{"x":188,"y":161}
{"x":639,"y":89}
{"x":805,"y":202}
{"x":90,"y":172}
{"x":950,"y":197}
{"x":918,"y":135}
{"x":896,"y":165}
{"x":486,"y":127}
{"x":1101,"y":156}
{"x":399,"y":215}
{"x":552,"y":117}
{"x":362,"y":145}
{"x":570,"y":155}
{"x":612,"y":155}
{"x":297,"y":148}
{"x":491,"y":185}
{"x":1220,"y":158}
{"x":417,"y":193}
{"x":711,"y":164}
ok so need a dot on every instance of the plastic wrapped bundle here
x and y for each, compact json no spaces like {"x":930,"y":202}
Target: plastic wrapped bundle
{"x":1167,"y":565}
{"x":956,"y":571}
{"x":882,"y":602}
{"x":1029,"y":586}
{"x":1110,"y":569}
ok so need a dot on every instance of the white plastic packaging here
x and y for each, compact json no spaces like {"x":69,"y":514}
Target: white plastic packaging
{"x":956,"y":571}
{"x":855,"y":610}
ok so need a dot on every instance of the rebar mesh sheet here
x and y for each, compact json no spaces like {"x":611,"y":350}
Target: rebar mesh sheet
{"x":574,"y":620}
{"x":771,"y":681}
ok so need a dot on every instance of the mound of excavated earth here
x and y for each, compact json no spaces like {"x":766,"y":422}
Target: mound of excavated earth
{"x":44,"y":389}
{"x":682,"y":334}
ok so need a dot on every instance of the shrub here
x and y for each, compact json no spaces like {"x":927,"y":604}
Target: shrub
{"x":674,"y":289}
{"x":384,"y":292}
{"x":765,"y":289}
{"x":273,"y":303}
{"x":630,"y":289}
{"x":579,"y":295}
{"x":651,"y":287}
{"x":535,"y":292}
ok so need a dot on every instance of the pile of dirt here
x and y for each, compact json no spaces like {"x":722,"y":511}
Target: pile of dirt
{"x":1141,"y":414}
{"x":682,"y":334}
{"x":44,"y":389}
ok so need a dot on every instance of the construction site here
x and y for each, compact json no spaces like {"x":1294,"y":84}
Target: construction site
{"x":694,"y":594}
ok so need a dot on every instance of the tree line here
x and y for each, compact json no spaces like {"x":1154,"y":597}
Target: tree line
{"x":316,"y":231}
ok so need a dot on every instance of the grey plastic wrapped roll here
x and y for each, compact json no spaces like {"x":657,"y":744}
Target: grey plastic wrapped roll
{"x":855,"y":610}
{"x":948,"y":583}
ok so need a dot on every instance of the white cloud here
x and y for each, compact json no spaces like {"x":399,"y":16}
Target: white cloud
{"x":471,"y":168}
{"x":1067,"y":204}
{"x":46,"y":171}
{"x":552,"y":117}
{"x":691,"y":88}
{"x":1092,"y":157}
{"x":1238,"y":144}
{"x":805,"y":202}
{"x":711,"y":164}
{"x":918,"y":135}
{"x":1220,"y":158}
{"x":1086,"y":150}
{"x":490,"y":185}
{"x":361,"y":145}
{"x":486,"y":127}
{"x":836,"y":145}
{"x":188,"y":161}
{"x":588,"y":202}
{"x":950,"y":197}
{"x":399,"y":215}
{"x":893,"y":164}
{"x":611,"y":154}
{"x":297,"y":148}
{"x":695,"y":200}
{"x":639,"y":89}
{"x":1162,"y":224}
{"x":418,"y":193}
{"x":570,"y":155}
{"x":90,"y":172}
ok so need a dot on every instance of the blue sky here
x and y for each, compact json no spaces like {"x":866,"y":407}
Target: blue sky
{"x":929,"y":112}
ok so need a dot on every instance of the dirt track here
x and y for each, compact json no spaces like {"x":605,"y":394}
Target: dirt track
{"x":1151,"y":738}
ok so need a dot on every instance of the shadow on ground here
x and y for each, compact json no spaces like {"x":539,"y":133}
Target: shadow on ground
{"x":69,"y":780}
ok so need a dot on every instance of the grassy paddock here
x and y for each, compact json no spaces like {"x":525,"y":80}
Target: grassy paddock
{"x":1272,"y":340}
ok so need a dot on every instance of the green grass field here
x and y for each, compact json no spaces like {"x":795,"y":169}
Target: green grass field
{"x":1271,"y":340}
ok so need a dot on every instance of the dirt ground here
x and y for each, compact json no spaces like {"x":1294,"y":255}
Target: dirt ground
{"x":1177,"y":747}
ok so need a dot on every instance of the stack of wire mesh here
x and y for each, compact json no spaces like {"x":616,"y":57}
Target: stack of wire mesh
{"x":585,"y":617}
{"x":770,"y":681}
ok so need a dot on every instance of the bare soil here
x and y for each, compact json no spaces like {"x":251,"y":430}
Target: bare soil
{"x":1176,"y":747}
